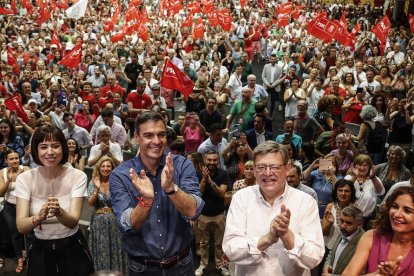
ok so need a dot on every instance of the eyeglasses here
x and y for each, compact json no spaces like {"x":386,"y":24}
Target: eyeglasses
{"x":273,"y":168}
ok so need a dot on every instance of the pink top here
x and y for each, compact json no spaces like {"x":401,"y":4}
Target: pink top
{"x":192,"y":139}
{"x":379,"y":252}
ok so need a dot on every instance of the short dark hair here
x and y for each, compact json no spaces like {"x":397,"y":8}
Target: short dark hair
{"x":214,"y":127}
{"x":178,"y":146}
{"x":148,"y":116}
{"x":211,"y":152}
{"x":342,"y":183}
{"x":107,"y":112}
{"x":12,"y":133}
{"x":66,"y":115}
{"x":259,"y":107}
{"x":49,"y":132}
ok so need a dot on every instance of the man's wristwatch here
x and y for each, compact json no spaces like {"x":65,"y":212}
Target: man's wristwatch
{"x":173,"y":191}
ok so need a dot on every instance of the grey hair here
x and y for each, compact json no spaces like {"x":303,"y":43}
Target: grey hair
{"x":102,"y":128}
{"x":355,"y":212}
{"x":271,"y":147}
{"x":340,"y":137}
{"x":368,"y":112}
{"x":398,"y":150}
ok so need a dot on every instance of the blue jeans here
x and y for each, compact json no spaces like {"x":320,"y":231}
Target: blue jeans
{"x":184,"y":267}
{"x":9,"y":214}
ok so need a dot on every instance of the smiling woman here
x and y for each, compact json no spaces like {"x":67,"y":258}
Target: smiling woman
{"x":49,"y":201}
{"x":389,"y":247}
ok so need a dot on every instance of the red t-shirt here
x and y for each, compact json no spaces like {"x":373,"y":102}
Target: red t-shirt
{"x":336,"y":110}
{"x":117,"y":88}
{"x":139,"y":101}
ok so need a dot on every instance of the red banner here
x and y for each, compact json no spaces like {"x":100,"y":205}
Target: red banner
{"x":55,"y":40}
{"x":224,"y":19}
{"x":174,"y":6}
{"x":73,"y":58}
{"x":285,"y":8}
{"x":174,"y":78}
{"x":143,"y":32}
{"x":11,"y":60}
{"x":411,"y":21}
{"x":283,"y":20}
{"x":382,"y":29}
{"x":15,"y":104}
{"x":328,"y":30}
{"x":213,"y":18}
{"x":188,"y":22}
{"x":198,"y":30}
{"x":5,"y":11}
{"x":194,"y":7}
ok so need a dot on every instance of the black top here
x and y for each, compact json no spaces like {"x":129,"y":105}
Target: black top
{"x":207,"y":120}
{"x":214,"y":205}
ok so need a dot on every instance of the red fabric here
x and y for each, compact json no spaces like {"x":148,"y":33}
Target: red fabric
{"x":14,"y":6}
{"x":139,"y":101}
{"x":116,"y":88}
{"x":336,"y":110}
{"x":11,"y":60}
{"x":194,"y":7}
{"x":198,"y":30}
{"x":82,"y":121}
{"x":212,"y":18}
{"x":188,"y":22}
{"x":55,"y":40}
{"x":382,"y":29}
{"x":14,"y":103}
{"x":143,"y":32}
{"x":411,"y":21}
{"x":224,"y":19}
{"x":285,"y":8}
{"x":283,"y":20}
{"x":174,"y":78}
{"x":174,"y":7}
{"x":5,"y":11}
{"x":73,"y":58}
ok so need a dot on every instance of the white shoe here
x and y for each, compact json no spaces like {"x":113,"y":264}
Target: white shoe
{"x":280,"y":108}
{"x":224,"y":271}
{"x":200,"y":270}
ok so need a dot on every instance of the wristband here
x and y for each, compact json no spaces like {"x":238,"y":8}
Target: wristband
{"x":39,"y":225}
{"x":141,"y":202}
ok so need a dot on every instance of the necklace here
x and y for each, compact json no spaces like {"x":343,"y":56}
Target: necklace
{"x":361,"y":181}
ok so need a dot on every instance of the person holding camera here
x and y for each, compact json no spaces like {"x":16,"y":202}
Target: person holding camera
{"x":193,"y":132}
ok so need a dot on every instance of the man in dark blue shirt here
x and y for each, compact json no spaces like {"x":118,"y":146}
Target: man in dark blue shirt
{"x":153,"y":207}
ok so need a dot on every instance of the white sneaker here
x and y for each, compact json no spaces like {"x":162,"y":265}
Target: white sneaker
{"x":280,"y":108}
{"x":224,"y":271}
{"x":200,"y":270}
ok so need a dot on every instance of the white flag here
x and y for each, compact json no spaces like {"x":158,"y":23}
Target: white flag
{"x":78,"y":10}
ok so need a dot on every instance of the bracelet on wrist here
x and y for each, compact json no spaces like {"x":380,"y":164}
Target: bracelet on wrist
{"x":142,"y":202}
{"x":36,"y":224}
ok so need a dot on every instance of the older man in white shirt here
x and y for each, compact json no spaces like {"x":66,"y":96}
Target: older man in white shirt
{"x":272,"y":228}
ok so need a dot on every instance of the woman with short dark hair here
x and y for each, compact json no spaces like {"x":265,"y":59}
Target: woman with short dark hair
{"x":49,"y":201}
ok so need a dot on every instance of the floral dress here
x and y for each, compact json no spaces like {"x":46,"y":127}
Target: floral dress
{"x":104,"y":237}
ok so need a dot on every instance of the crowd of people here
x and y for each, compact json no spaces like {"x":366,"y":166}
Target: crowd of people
{"x":166,"y":172}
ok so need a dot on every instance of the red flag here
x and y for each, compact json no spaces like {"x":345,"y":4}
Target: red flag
{"x":14,"y":103}
{"x":355,"y":30}
{"x":174,"y":6}
{"x":135,"y":2}
{"x":5,"y":11}
{"x":198,"y":30}
{"x":174,"y":78}
{"x":243,"y":3}
{"x":213,"y":18}
{"x":208,"y":5}
{"x":131,"y":13}
{"x":194,"y":7}
{"x":63,"y":4}
{"x":296,"y":12}
{"x":142,"y":32}
{"x":55,"y":40}
{"x":411,"y":21}
{"x":342,"y":21}
{"x":283,"y":20}
{"x":144,"y":16}
{"x":14,"y":6}
{"x":188,"y":22}
{"x":162,"y":7}
{"x":118,"y":36}
{"x":322,"y":28}
{"x":73,"y":58}
{"x":26,"y":4}
{"x":224,"y":19}
{"x":285,"y":8}
{"x":11,"y":60}
{"x":382,"y":29}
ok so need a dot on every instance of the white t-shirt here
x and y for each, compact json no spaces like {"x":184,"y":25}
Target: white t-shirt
{"x":31,"y":186}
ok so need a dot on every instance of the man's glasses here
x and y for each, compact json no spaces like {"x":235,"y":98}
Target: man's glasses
{"x":272,"y":168}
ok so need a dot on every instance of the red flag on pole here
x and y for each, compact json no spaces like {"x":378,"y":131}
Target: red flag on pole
{"x":11,"y":60}
{"x":194,"y":7}
{"x":283,"y":20}
{"x":224,"y":19}
{"x":73,"y":58}
{"x":14,"y":103}
{"x":174,"y":78}
{"x":213,"y":18}
{"x":55,"y":40}
{"x":382,"y":29}
{"x":198,"y":30}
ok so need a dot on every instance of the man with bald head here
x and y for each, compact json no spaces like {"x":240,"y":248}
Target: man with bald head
{"x":259,"y":93}
{"x":396,"y":56}
{"x":305,"y":126}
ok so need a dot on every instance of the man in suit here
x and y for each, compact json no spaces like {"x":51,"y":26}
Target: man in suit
{"x":258,"y":134}
{"x":351,"y":220}
{"x":272,"y":78}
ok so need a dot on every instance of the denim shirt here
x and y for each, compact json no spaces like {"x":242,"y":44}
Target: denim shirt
{"x":166,"y":232}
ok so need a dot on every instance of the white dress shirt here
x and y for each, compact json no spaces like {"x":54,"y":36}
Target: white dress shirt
{"x":249,"y":218}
